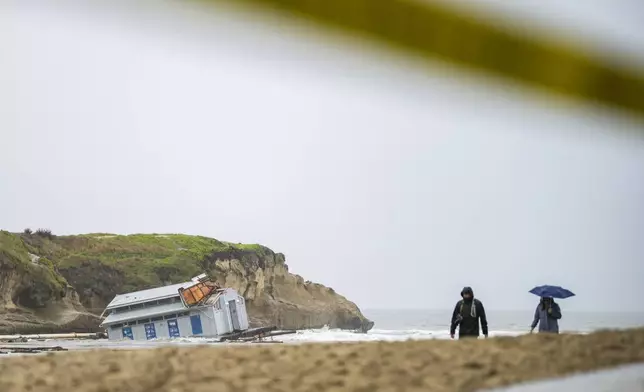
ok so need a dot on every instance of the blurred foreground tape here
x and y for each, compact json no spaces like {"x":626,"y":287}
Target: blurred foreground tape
{"x":429,"y":29}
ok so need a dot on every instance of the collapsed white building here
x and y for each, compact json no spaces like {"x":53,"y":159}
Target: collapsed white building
{"x":196,"y":308}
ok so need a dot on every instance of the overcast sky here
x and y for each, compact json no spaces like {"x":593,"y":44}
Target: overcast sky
{"x":394,"y":183}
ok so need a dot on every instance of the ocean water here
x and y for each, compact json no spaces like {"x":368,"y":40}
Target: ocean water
{"x":390,"y":325}
{"x":503,"y":320}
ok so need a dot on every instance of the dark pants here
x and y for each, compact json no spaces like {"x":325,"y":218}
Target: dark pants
{"x":467,"y":336}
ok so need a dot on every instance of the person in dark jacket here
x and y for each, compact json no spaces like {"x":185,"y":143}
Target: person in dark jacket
{"x":547,"y":315}
{"x":466,"y":316}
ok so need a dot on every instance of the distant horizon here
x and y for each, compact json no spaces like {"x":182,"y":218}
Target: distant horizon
{"x":634,"y":312}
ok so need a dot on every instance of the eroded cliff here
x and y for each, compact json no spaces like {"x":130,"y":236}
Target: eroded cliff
{"x":62,"y":282}
{"x":34,"y":297}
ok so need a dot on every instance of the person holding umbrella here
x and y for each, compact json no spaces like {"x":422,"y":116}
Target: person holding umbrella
{"x":547,"y":315}
{"x":548,"y":312}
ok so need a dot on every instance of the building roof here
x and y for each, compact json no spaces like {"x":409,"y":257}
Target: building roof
{"x":137,"y":314}
{"x":147,"y":295}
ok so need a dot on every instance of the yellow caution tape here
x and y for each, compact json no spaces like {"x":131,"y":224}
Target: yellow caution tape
{"x":430,"y":29}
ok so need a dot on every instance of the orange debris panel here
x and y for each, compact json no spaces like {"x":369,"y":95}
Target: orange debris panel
{"x":198,"y":292}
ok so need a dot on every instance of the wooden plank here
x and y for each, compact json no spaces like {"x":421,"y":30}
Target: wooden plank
{"x":52,"y":336}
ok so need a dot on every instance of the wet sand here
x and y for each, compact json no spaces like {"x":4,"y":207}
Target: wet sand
{"x":378,"y":366}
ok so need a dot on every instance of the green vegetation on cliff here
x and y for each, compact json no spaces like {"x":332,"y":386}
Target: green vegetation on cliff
{"x":99,"y":266}
{"x":141,"y":260}
{"x":22,"y":257}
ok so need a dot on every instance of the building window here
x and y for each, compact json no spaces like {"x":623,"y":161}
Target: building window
{"x":143,"y":321}
{"x":116,"y":326}
{"x":169,"y":316}
{"x":167,"y":301}
{"x":157,"y":318}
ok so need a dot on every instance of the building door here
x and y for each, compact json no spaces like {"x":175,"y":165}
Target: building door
{"x":173,"y":328}
{"x":150,"y":331}
{"x":127,"y":333}
{"x":232,"y":305}
{"x":195,"y":321}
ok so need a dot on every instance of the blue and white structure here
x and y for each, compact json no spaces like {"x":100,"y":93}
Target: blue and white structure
{"x":160,"y":313}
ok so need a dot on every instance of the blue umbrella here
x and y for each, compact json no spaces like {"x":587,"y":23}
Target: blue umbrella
{"x":552,"y":291}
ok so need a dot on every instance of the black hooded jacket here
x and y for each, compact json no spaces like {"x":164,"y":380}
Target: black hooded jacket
{"x":462,"y":316}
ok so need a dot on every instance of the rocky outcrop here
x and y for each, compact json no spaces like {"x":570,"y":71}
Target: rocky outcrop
{"x":276,"y":297}
{"x":62,"y":283}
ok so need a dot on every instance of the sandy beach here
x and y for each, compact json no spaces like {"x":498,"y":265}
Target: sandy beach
{"x":378,"y":366}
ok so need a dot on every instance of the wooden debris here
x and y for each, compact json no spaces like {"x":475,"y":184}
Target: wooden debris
{"x":57,"y":336}
{"x":256,"y":335}
{"x":29,"y":350}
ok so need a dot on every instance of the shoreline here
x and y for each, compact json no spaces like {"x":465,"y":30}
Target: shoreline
{"x":427,"y":365}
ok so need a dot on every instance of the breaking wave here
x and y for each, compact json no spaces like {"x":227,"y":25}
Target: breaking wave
{"x":337,"y":335}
